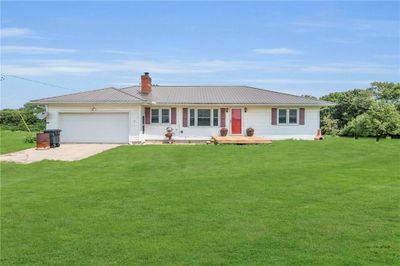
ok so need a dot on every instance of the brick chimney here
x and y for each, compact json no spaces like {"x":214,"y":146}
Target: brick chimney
{"x":146,"y":83}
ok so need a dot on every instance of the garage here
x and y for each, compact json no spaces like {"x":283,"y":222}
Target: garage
{"x":94,"y":127}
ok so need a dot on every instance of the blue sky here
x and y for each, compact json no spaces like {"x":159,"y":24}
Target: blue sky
{"x":295,"y":47}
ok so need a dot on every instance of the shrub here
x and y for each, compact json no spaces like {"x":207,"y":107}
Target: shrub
{"x":329,"y":126}
{"x":360,"y":126}
{"x":30,"y":139}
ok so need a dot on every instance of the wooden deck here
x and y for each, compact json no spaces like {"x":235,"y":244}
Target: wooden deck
{"x":239,"y":140}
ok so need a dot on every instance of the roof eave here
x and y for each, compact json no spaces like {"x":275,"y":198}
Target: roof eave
{"x":93,"y":102}
{"x":253,"y":104}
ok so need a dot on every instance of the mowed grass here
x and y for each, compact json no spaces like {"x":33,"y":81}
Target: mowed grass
{"x":334,"y":202}
{"x":11,"y":141}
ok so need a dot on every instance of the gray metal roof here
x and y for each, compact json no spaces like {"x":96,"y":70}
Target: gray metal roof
{"x":220,"y":95}
{"x":185,"y":95}
{"x":106,"y":95}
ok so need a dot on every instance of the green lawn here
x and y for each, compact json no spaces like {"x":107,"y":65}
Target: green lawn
{"x":334,"y":202}
{"x":14,"y":141}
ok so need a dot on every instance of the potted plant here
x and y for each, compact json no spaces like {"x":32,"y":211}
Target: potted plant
{"x":250,"y":132}
{"x":169,"y":134}
{"x":223,"y":131}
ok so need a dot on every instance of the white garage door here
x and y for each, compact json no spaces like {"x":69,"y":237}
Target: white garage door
{"x":94,"y":127}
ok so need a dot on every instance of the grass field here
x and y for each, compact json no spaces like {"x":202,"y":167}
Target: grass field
{"x":14,"y":141}
{"x":334,"y":202}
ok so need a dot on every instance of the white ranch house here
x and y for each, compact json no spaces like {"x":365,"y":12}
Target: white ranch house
{"x":142,"y":113}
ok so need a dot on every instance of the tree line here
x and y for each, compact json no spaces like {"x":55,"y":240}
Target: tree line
{"x":370,"y":112}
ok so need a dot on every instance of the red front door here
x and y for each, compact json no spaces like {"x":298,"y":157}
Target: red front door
{"x":236,"y":121}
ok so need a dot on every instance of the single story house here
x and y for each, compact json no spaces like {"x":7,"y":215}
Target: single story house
{"x":142,"y":113}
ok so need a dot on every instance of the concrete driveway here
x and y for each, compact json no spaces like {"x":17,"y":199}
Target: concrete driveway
{"x":66,"y":152}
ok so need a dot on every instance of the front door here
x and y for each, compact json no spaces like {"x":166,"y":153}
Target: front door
{"x":236,"y":121}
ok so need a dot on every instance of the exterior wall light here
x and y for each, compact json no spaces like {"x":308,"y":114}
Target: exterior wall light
{"x":93,"y":109}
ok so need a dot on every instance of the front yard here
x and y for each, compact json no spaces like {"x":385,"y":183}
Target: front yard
{"x":11,"y":141}
{"x":291,"y":202}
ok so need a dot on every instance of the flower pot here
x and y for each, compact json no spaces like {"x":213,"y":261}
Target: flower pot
{"x":169,"y":134}
{"x":250,"y":132}
{"x":223,"y":131}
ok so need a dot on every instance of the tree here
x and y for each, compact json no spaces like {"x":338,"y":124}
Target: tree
{"x":349,"y":104}
{"x":309,"y":97}
{"x":11,"y":118}
{"x":385,"y":120}
{"x":29,"y":111}
{"x":360,"y":126}
{"x":33,"y":108}
{"x":388,"y":92}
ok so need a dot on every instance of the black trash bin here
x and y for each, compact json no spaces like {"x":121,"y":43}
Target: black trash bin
{"x":54,"y":137}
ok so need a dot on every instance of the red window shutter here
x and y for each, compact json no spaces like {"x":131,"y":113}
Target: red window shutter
{"x":147,"y":115}
{"x":173,"y":115}
{"x":273,"y":116}
{"x":302,"y":116}
{"x":222,"y":117}
{"x":185,"y":117}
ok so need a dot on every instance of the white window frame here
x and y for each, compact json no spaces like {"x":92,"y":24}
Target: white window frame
{"x":211,"y":117}
{"x":287,"y":110}
{"x":160,"y":115}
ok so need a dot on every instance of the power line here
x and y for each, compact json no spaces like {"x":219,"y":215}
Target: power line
{"x":36,"y":81}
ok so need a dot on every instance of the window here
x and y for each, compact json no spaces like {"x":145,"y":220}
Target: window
{"x":292,"y":116}
{"x":155,"y":119}
{"x":287,"y":116}
{"x":282,"y":116}
{"x":164,"y":115}
{"x":215,"y":117}
{"x":192,"y":118}
{"x":203,"y":117}
{"x":160,"y":116}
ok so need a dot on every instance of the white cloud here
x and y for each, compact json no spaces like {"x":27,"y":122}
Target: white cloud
{"x":305,"y":81}
{"x":123,"y":84}
{"x":15,"y":32}
{"x":352,"y":67}
{"x":387,"y":56}
{"x":120,"y":52}
{"x":34,"y":50}
{"x":52,"y":68}
{"x":276,"y":51}
{"x":62,"y":67}
{"x":343,"y":41}
{"x":361,"y":27}
{"x":78,"y":67}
